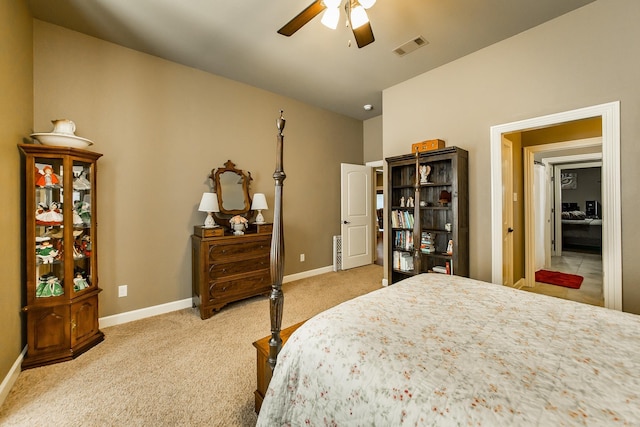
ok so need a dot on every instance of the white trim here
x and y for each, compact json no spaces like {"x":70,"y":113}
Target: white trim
{"x":130,"y":316}
{"x":12,"y":376}
{"x":308,"y":273}
{"x":612,"y":228}
{"x":528,"y":156}
{"x":558,"y":164}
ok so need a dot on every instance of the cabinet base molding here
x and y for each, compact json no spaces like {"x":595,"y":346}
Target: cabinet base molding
{"x":62,"y":356}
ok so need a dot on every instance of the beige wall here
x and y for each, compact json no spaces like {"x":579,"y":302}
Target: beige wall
{"x":162,"y":128}
{"x":372,"y":129}
{"x":16,"y":118}
{"x":586,"y":57}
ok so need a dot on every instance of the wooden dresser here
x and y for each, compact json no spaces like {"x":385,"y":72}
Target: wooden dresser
{"x":228,"y":268}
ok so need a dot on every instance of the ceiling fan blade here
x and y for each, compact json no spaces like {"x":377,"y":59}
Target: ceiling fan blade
{"x":302,"y":18}
{"x":363,"y":35}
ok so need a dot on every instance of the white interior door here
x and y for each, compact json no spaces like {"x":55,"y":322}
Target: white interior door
{"x":356,"y":214}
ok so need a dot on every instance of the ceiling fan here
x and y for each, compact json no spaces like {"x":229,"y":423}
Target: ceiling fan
{"x":357,"y":18}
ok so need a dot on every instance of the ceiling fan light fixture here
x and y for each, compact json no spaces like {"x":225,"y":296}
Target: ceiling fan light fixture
{"x":367,"y":3}
{"x":332,"y":4}
{"x":358,"y":17}
{"x":330,"y":18}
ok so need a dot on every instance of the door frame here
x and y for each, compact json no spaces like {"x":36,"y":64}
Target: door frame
{"x":529,"y":205}
{"x":375,"y":166}
{"x":612,"y":227}
{"x":558,"y":164}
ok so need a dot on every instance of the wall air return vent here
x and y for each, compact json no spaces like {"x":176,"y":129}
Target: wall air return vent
{"x":410,"y":46}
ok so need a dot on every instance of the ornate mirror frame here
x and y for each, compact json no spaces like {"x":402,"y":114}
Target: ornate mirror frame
{"x":242,"y":208}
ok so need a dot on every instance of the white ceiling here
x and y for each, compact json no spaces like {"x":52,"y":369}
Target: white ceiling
{"x":237,"y":39}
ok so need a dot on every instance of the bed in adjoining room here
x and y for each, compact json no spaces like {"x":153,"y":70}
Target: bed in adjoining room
{"x":445,"y":350}
{"x":581,"y":232}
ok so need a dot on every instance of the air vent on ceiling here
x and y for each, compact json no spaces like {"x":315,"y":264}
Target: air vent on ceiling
{"x":410,"y":46}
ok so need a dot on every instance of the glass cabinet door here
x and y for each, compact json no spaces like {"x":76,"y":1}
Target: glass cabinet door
{"x":49,"y":227}
{"x":82,"y":225}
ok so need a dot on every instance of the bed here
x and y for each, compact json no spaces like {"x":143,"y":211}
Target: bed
{"x":580,"y":231}
{"x":446,"y":350}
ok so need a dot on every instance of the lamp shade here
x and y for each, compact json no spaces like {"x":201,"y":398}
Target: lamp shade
{"x":259,"y":203}
{"x":209,"y":203}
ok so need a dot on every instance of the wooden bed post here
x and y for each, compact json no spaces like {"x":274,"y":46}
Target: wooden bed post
{"x":277,"y":253}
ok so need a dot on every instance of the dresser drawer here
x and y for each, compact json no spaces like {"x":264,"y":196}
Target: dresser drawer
{"x":223,"y":291}
{"x":259,"y":245}
{"x":218,"y":270}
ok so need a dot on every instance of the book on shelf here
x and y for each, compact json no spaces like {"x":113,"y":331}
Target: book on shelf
{"x":426,"y":243}
{"x":446,"y":269}
{"x":402,"y":261}
{"x":402,"y":219}
{"x":403,"y":239}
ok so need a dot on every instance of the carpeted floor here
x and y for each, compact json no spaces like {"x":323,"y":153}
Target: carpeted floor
{"x":174,"y":369}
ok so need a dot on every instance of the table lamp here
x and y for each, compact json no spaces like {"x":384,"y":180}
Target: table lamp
{"x":209,"y":204}
{"x":259,"y":203}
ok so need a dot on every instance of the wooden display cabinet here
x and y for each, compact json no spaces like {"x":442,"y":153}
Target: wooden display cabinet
{"x":60,"y":263}
{"x":428,"y":217}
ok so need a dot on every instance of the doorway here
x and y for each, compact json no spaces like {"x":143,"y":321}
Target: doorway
{"x":611,"y":231}
{"x":572,"y":237}
{"x":377,"y":172}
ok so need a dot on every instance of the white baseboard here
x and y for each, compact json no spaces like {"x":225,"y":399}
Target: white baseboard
{"x":305,"y":274}
{"x":11,"y":377}
{"x":130,"y":316}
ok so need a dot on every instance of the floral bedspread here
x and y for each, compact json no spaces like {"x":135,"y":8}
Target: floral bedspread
{"x":450,"y":351}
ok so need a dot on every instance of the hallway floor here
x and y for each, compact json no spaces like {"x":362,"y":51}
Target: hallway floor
{"x":379,"y":249}
{"x":587,"y":265}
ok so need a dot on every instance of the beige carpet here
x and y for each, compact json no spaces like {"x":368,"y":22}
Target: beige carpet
{"x":173,"y":369}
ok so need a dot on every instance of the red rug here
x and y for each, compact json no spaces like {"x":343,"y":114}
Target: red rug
{"x":561,"y":279}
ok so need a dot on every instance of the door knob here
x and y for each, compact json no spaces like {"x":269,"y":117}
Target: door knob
{"x":346,"y":222}
{"x":510,"y":230}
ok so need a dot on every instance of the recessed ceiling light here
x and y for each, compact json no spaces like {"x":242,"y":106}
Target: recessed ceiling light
{"x":368,"y":107}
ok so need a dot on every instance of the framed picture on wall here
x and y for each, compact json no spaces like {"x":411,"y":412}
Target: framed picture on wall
{"x":569,"y":180}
